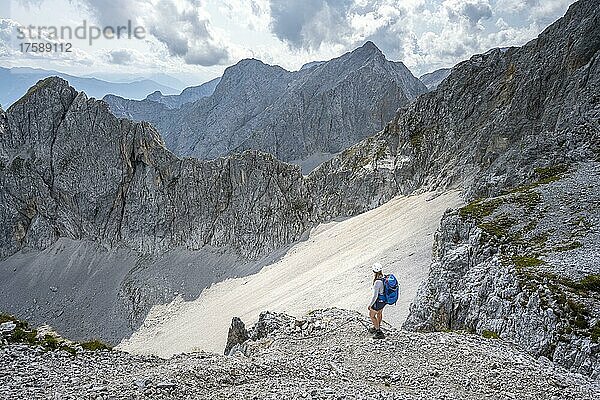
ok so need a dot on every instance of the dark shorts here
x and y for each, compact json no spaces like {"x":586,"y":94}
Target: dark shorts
{"x":378,"y":305}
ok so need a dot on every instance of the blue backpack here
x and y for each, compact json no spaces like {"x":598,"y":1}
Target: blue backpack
{"x":391,"y":289}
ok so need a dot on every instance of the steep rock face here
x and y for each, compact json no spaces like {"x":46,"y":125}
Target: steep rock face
{"x":495,"y":119}
{"x":524,"y":267}
{"x":212,"y":127}
{"x":143,"y":110}
{"x":129,"y":210}
{"x":147,"y":199}
{"x":293,"y":115}
{"x":334,"y":106}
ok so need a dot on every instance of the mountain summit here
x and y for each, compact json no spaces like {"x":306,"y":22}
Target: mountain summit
{"x":293,"y":115}
{"x":368,"y":49}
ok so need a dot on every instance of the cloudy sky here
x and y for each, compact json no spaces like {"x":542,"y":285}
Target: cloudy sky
{"x":197,"y":39}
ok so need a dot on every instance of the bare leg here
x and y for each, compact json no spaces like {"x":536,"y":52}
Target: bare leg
{"x":379,"y":317}
{"x":374,"y":319}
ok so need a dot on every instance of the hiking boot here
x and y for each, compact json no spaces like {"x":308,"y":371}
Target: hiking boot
{"x":379,"y":334}
{"x":372,"y":330}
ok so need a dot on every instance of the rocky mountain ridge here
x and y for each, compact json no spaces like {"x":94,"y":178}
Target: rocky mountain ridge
{"x":292,"y":115}
{"x":148,"y":209}
{"x":188,"y":95}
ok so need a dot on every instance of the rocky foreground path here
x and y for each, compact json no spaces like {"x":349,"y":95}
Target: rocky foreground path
{"x":327,"y":356}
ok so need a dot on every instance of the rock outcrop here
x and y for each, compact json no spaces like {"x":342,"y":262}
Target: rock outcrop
{"x":268,"y":322}
{"x":292,"y":115}
{"x":236,"y":336}
{"x":523,"y":267}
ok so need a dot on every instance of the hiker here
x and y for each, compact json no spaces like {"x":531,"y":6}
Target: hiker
{"x":377,"y":302}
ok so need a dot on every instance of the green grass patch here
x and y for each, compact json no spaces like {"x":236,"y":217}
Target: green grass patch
{"x":480,"y":208}
{"x":499,"y":227}
{"x":576,"y":307}
{"x":68,"y":349}
{"x":51,"y":342}
{"x":550,"y":174}
{"x":7,"y":318}
{"x":416,"y":140}
{"x":95,"y":345}
{"x":380,"y":152}
{"x":528,"y":199}
{"x":595,"y":332}
{"x":567,"y":247}
{"x":489,"y":334}
{"x":526,"y":261}
{"x":580,"y":321}
{"x":590,"y":283}
{"x":544,"y":176}
{"x":24,"y":334}
{"x":539,"y":241}
{"x":20,"y":335}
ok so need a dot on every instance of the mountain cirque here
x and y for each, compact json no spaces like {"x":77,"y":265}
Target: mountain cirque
{"x":147,"y":205}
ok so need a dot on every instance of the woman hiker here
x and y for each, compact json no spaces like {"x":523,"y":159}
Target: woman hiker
{"x":377,"y":303}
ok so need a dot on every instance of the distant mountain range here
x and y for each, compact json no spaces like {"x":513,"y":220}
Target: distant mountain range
{"x":297,"y":116}
{"x":169,"y":80}
{"x":189,"y":95}
{"x":433,"y":79}
{"x":14,"y":82}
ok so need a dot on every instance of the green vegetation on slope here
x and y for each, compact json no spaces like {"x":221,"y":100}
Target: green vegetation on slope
{"x":24,"y":334}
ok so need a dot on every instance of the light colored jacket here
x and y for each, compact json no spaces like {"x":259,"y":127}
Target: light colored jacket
{"x":377,"y":290}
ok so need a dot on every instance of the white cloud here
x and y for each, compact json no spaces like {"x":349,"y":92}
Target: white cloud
{"x":121,"y":56}
{"x":207,"y":35}
{"x":470,"y":11}
{"x":182,"y":25}
{"x":423,"y":34}
{"x":12,"y":53}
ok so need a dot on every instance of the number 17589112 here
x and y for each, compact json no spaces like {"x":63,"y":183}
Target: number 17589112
{"x":46,"y":47}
